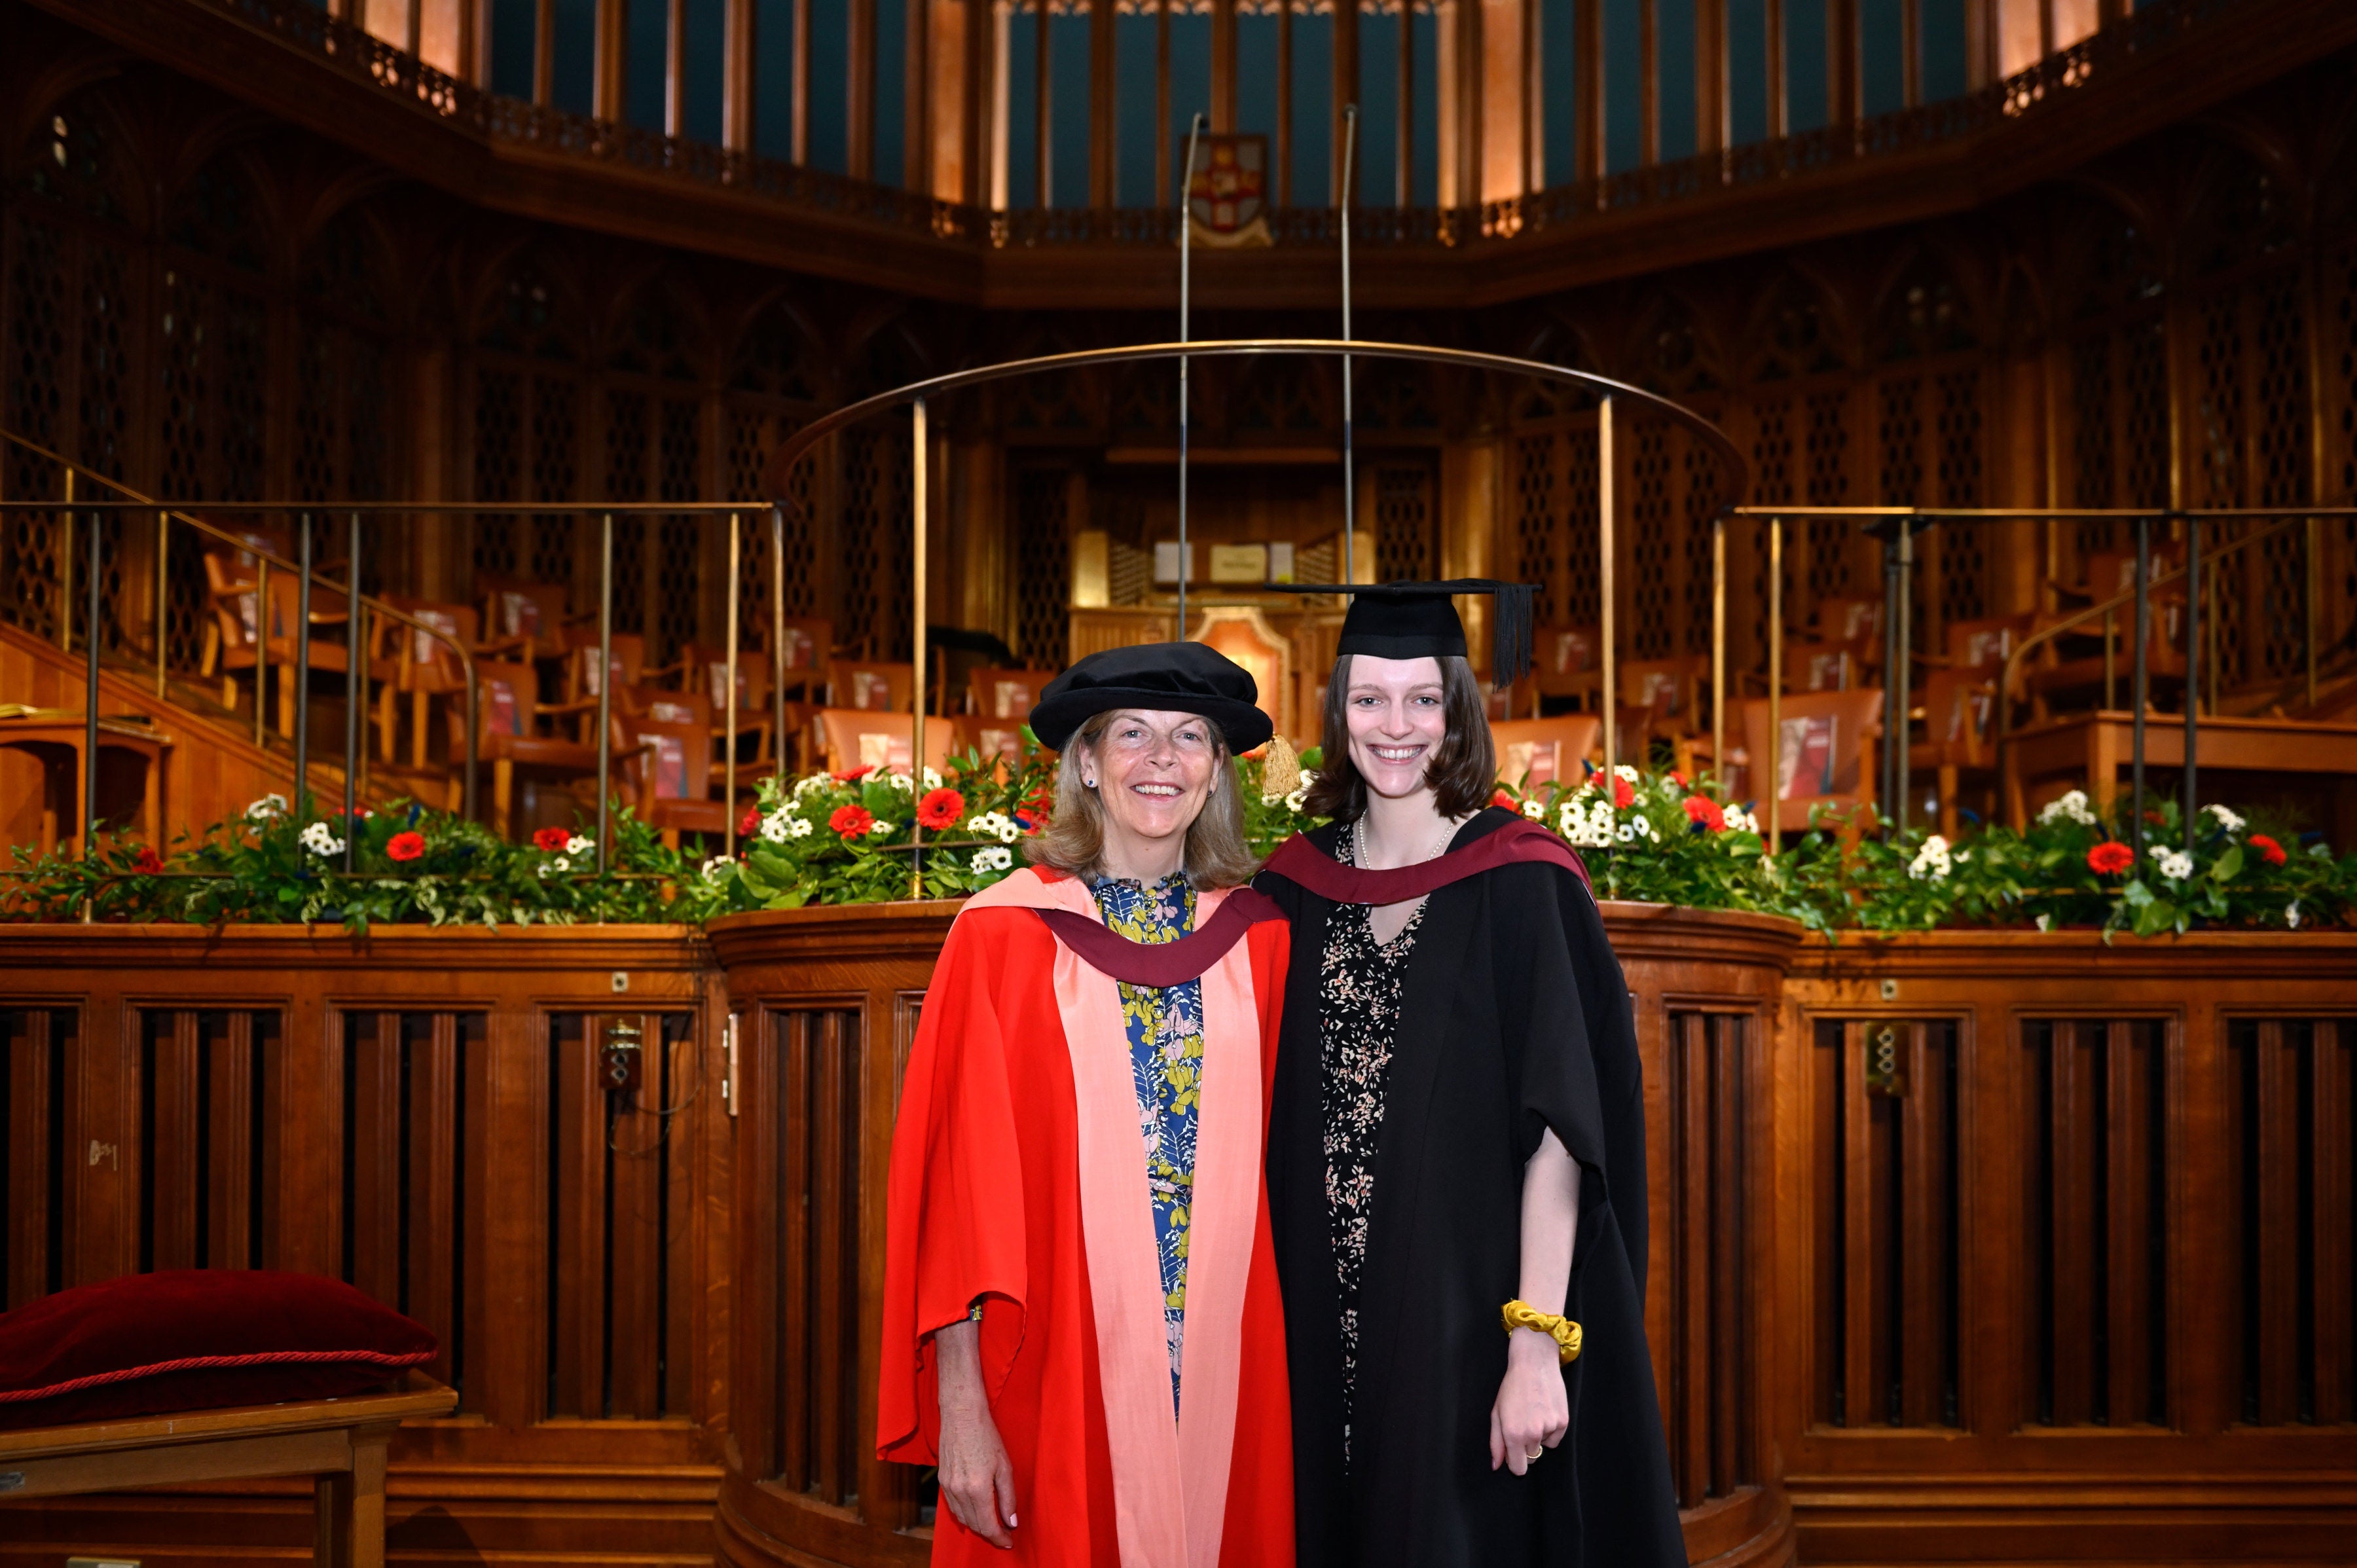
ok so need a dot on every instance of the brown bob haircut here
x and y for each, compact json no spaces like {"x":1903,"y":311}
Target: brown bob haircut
{"x":1463,"y":773}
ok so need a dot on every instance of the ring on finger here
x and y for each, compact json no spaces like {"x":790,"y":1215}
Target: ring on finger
{"x":1532,"y":1456}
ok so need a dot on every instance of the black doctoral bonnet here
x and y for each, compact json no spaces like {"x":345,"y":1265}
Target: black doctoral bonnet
{"x":1185,"y":677}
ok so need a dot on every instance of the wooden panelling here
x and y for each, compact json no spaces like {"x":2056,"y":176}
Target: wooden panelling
{"x":2101,"y":1223}
{"x":2290,"y":1126}
{"x":419,"y":1113}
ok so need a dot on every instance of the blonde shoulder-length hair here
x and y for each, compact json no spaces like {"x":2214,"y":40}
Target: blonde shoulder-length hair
{"x":1217,"y":854}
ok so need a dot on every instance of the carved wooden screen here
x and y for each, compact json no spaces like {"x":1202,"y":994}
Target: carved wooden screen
{"x":1043,"y":569}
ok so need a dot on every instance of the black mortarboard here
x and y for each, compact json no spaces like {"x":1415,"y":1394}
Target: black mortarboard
{"x":1184,"y":677}
{"x":1417,"y":620}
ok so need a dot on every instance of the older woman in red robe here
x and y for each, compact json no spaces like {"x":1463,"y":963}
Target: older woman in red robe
{"x":1082,"y":1327}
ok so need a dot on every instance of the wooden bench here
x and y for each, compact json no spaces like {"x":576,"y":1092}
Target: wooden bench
{"x":341,"y":1441}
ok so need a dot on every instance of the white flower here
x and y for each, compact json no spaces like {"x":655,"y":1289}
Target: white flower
{"x":933,"y":779}
{"x":2291,"y":914}
{"x":2226,"y":818}
{"x":1007,"y":831}
{"x":901,"y":782}
{"x":561,"y":864}
{"x":1586,"y":821}
{"x":2071,"y":806}
{"x":2044,"y":922}
{"x":1533,"y":811}
{"x":1625,"y":771}
{"x":1636,"y":827}
{"x":811,"y":783}
{"x":1297,"y":803}
{"x":1740,"y":821}
{"x":991,"y":858}
{"x":878,"y":829}
{"x":2174,"y":863}
{"x":798,"y":827}
{"x":713,"y":867}
{"x":576,"y":845}
{"x":321,"y":840}
{"x":265,"y":809}
{"x":1932,"y":861}
{"x":775,"y":826}
{"x":544,"y":869}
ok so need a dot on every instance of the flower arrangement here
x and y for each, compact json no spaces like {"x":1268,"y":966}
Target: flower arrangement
{"x":869,"y":836}
{"x":410,"y":864}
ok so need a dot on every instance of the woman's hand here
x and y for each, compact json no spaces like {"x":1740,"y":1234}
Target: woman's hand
{"x":1533,"y":1411}
{"x":977,"y":1479}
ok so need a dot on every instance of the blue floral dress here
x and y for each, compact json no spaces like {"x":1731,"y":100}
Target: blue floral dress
{"x":1166,"y":1054}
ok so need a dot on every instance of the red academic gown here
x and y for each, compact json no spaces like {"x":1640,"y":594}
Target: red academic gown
{"x":1018,"y":1178}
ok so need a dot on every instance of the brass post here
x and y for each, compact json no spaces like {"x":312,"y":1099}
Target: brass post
{"x":1604,"y":502}
{"x":1772,"y":792}
{"x":1718,"y":650}
{"x":916,"y":440}
{"x":162,"y":591}
{"x":65,"y":568}
{"x":261,"y":645}
{"x":728,"y":725}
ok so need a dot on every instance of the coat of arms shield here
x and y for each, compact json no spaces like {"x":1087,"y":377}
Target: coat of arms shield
{"x":1226,"y":197}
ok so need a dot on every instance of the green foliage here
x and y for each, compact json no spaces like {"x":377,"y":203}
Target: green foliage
{"x":852,"y":839}
{"x":409,"y":865}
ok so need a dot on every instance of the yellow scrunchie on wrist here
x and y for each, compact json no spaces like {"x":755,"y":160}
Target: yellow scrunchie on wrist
{"x":1562,"y":1330}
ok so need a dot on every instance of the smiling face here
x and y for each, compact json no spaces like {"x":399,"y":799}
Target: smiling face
{"x":1153,"y":772}
{"x":1398,"y":717}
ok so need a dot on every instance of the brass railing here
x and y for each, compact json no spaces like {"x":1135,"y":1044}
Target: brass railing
{"x":1897,"y":526}
{"x":71,"y":504}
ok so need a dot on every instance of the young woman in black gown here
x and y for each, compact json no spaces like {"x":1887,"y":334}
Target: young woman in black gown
{"x":1457,"y":1144}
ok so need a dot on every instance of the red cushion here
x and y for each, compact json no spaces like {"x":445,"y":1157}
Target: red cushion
{"x":195,"y":1339}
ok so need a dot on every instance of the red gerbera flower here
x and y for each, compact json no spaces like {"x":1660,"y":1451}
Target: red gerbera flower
{"x":851,"y":821}
{"x":1622,"y":796}
{"x":147,"y":863}
{"x":405,"y":846}
{"x":551,"y":841}
{"x":1704,"y":810}
{"x":748,"y":821}
{"x":1678,"y":779}
{"x":2270,"y":851}
{"x":853,"y":775}
{"x":2110,"y":859}
{"x":1502,"y":799}
{"x":940,"y":809}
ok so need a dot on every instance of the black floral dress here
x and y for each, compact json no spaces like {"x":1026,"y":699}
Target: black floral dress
{"x":1359,"y":997}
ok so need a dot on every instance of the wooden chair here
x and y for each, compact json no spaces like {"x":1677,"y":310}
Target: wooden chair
{"x":284,"y":610}
{"x":1568,"y":661}
{"x":1856,"y":621}
{"x":870,"y":685}
{"x":513,"y":608}
{"x":2079,"y":680}
{"x":1520,"y":698}
{"x":425,"y":667}
{"x":234,"y":634}
{"x":1826,"y":755}
{"x":862,"y":739}
{"x":809,"y":649}
{"x":627,"y":659}
{"x":1824,"y":666}
{"x":663,"y":706}
{"x":1959,"y":715}
{"x":667,"y":776}
{"x":1005,"y":694}
{"x":1536,"y":752}
{"x":512,"y":733}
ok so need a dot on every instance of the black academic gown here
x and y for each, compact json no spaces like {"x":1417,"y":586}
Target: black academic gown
{"x":1514,"y":1018}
